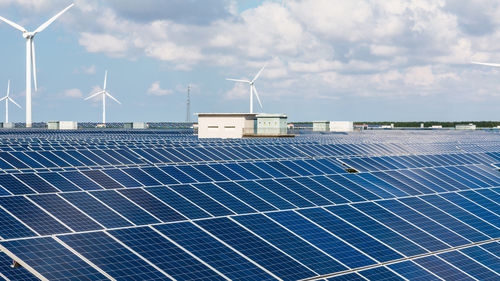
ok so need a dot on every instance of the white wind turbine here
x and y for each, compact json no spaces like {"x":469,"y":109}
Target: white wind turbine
{"x":7,"y":98}
{"x":252,"y":87}
{"x":30,"y":56}
{"x":104,"y":93}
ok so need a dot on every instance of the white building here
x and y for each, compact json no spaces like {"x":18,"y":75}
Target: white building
{"x":321,"y":126}
{"x":225,"y":125}
{"x":8,"y":125}
{"x":62,"y":125}
{"x":271,"y":124}
{"x":341,"y":126}
{"x":470,"y":126}
{"x":135,"y":125}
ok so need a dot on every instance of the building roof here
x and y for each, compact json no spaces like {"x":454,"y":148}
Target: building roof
{"x":225,"y":114}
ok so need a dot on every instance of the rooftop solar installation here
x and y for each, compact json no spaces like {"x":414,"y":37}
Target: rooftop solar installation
{"x":160,"y":205}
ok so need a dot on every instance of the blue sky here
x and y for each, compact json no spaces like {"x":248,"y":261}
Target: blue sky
{"x":327,"y":59}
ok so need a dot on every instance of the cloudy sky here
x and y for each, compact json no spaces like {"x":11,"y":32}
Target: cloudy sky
{"x":327,"y":59}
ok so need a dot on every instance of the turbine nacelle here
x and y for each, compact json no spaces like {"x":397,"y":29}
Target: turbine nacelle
{"x":29,"y":35}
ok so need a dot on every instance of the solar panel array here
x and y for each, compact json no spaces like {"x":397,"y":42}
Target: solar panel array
{"x":155,"y":205}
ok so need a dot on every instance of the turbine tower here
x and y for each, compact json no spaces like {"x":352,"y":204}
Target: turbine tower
{"x":104,"y":93}
{"x":30,"y":56}
{"x":7,"y":98}
{"x":252,"y":87}
{"x":188,"y":105}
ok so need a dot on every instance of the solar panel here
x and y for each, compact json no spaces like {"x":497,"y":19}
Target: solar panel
{"x":157,"y":205}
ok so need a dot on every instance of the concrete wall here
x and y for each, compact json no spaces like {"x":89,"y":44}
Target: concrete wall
{"x":271,"y":124}
{"x":62,"y":125}
{"x":465,"y":127}
{"x":321,"y":126}
{"x":341,"y":126}
{"x":224,"y":125}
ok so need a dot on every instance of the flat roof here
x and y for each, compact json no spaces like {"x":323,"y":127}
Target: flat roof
{"x":270,"y":115}
{"x":226,"y":114}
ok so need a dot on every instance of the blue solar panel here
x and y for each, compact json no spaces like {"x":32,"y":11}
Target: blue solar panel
{"x":142,"y":177}
{"x":66,"y":213}
{"x":469,"y":266}
{"x":125,"y":207}
{"x":102,"y":179}
{"x":246,"y":196}
{"x":179,"y":203}
{"x":445,"y":219}
{"x":441,"y":268}
{"x":36,"y":183}
{"x":302,"y":251}
{"x":12,"y":228}
{"x":14,"y":273}
{"x":322,"y":239}
{"x":14,"y":186}
{"x":463,"y":215}
{"x":412,"y":271}
{"x":52,"y":260}
{"x":251,"y":246}
{"x":112,"y":257}
{"x":484,"y":257}
{"x":203,"y":201}
{"x":33,"y":216}
{"x":350,"y":234}
{"x":121,"y":177}
{"x":285,"y":193}
{"x":424,"y":223}
{"x":98,"y":211}
{"x":164,"y":254}
{"x":225,"y":198}
{"x":380,"y":273}
{"x":81,"y":180}
{"x":377,"y":230}
{"x":154,"y":206}
{"x":213,"y":252}
{"x":160,"y":176}
{"x":59,"y":181}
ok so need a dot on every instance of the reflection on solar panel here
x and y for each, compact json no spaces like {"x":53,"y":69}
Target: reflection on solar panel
{"x":160,"y":205}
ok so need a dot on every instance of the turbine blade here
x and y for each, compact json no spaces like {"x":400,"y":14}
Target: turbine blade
{"x":8,"y":88}
{"x":33,"y":62}
{"x":258,"y":73}
{"x":257,"y":96}
{"x":238,"y":80}
{"x":93,"y":95}
{"x":14,"y":102}
{"x":51,"y":20}
{"x":486,"y":63}
{"x":13,"y":24}
{"x":113,"y":98}
{"x":2,"y":99}
{"x":105,"y":79}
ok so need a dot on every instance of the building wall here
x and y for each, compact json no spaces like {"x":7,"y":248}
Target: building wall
{"x":321,"y":126}
{"x":271,"y":125}
{"x":223,"y":126}
{"x":341,"y":126}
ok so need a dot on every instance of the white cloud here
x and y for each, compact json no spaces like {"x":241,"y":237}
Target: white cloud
{"x":103,"y":43}
{"x":326,"y":48}
{"x":156,"y":90}
{"x":73,"y":93}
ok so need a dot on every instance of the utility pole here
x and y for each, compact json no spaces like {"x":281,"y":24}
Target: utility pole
{"x":188,"y":105}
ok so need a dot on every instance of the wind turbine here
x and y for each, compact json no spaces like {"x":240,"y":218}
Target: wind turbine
{"x":252,"y":87}
{"x":7,"y":98}
{"x":104,"y":93}
{"x":30,"y":56}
